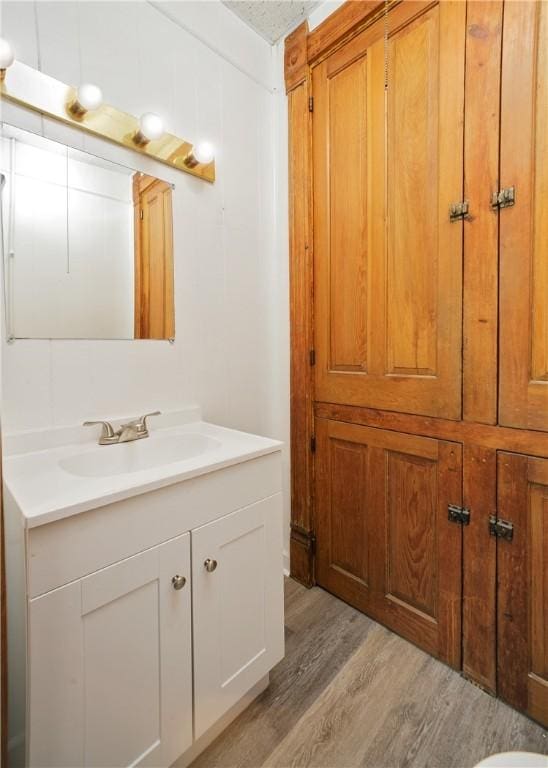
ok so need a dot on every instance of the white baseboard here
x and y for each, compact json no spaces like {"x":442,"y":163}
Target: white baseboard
{"x":286,"y":563}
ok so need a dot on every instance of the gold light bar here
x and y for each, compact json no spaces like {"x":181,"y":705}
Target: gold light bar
{"x":34,"y":90}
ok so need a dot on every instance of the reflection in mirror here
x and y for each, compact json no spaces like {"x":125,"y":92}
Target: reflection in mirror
{"x":87,"y":244}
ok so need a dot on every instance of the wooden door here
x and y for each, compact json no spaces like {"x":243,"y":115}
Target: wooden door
{"x":522,"y":566}
{"x":384,"y":541}
{"x":238,"y":606}
{"x":110,"y":676}
{"x":154,"y":307}
{"x":388,"y":164}
{"x":524,"y":227}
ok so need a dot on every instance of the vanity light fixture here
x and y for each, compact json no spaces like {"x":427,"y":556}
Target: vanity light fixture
{"x":88,"y":98}
{"x":7,"y":57}
{"x":202,"y":154}
{"x":151,"y":127}
{"x":35,"y":90}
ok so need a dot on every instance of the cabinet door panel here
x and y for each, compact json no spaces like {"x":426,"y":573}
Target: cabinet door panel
{"x":524,"y":227}
{"x":523,"y":584}
{"x":238,"y":607}
{"x":110,"y":665}
{"x":387,"y":260}
{"x":384,"y":542}
{"x":55,"y":732}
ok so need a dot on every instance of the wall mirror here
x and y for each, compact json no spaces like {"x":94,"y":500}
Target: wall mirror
{"x":87,"y":244}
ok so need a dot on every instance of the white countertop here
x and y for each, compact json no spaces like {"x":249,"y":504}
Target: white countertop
{"x":44,"y":491}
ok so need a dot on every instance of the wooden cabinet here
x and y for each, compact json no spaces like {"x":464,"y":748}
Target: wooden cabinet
{"x":524,"y":226}
{"x":388,"y":164}
{"x":428,"y":378}
{"x":110,"y":674}
{"x":238,"y":607}
{"x":385,"y":543}
{"x":522,"y":584}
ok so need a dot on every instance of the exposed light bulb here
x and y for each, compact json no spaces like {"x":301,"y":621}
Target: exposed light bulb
{"x":7,"y":56}
{"x":88,"y":98}
{"x":201,"y":154}
{"x":204,"y":152}
{"x":151,"y":127}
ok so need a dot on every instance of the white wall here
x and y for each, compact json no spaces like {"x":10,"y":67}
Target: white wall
{"x":210,"y":77}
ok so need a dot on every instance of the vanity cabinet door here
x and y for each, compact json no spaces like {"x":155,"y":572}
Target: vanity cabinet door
{"x":237,"y":583}
{"x":110,"y":665}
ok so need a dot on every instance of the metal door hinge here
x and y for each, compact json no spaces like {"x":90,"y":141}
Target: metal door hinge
{"x":458,"y":211}
{"x":312,"y":357}
{"x":311,"y":104}
{"x":503,"y":199}
{"x":456,"y":514}
{"x":502,"y":529}
{"x":313,"y":443}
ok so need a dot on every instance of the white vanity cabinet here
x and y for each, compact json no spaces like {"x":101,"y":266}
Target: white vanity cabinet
{"x":110,"y":673}
{"x":143,"y":626}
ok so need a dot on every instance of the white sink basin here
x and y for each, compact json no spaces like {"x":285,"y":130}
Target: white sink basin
{"x":55,"y":474}
{"x":138,"y":455}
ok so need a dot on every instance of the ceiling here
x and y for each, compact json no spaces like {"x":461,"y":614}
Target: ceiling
{"x":272,"y":19}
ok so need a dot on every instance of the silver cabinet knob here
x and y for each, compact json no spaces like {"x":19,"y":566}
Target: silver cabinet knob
{"x":210,"y":565}
{"x":178,"y":582}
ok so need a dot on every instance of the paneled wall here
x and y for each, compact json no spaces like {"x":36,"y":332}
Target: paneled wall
{"x":223,"y":245}
{"x":211,"y":77}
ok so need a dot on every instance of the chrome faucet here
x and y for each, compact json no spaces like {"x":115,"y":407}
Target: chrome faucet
{"x":133,"y":430}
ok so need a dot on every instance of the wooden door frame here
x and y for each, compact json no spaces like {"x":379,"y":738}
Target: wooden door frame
{"x":302,"y":50}
{"x":142,"y":184}
{"x":478,"y":431}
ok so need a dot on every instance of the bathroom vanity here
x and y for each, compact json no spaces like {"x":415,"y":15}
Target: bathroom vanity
{"x":145,"y":604}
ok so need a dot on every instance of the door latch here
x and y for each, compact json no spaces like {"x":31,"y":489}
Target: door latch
{"x":502,"y":529}
{"x":458,"y":211}
{"x":503,"y":199}
{"x":456,"y":514}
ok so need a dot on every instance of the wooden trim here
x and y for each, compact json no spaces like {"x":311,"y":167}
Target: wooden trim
{"x":342,"y":24}
{"x":295,"y":57}
{"x":480,"y":329}
{"x":527,"y":442}
{"x":304,"y":48}
{"x":300,"y":288}
{"x":481,"y":171}
{"x":302,"y":555}
{"x":137,"y":266}
{"x":479,"y":567}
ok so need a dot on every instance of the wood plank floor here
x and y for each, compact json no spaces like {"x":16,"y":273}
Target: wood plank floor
{"x":351,"y":693}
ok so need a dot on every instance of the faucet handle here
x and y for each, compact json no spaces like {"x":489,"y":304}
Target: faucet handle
{"x":141,"y":423}
{"x":107,"y":432}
